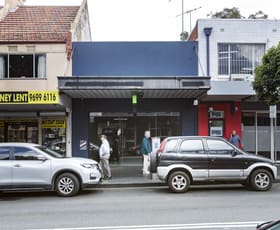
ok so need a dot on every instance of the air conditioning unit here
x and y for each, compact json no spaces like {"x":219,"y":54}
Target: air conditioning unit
{"x":241,"y":77}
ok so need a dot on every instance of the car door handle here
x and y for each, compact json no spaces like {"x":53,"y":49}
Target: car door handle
{"x":17,"y":166}
{"x":213,"y":159}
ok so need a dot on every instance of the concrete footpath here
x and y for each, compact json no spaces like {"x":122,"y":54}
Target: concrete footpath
{"x":128,"y":173}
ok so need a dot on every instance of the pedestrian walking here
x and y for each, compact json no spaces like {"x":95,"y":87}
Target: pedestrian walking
{"x":104,"y":154}
{"x":236,"y":140}
{"x":116,"y":151}
{"x":145,"y":150}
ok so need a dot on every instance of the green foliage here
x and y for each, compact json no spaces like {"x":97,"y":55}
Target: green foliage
{"x":258,"y":15}
{"x":228,"y":13}
{"x":235,"y":13}
{"x":267,"y":79}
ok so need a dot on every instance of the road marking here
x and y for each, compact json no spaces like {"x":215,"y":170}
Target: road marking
{"x":225,"y":225}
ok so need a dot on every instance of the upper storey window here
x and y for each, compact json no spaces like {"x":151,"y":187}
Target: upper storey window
{"x":22,"y":66}
{"x":239,"y":58}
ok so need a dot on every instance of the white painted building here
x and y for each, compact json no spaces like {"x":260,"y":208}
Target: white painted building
{"x":229,"y":51}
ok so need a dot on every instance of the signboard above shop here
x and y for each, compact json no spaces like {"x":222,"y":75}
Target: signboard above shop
{"x":53,"y":123}
{"x":29,"y":97}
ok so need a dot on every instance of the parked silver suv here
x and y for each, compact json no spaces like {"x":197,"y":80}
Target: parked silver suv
{"x":182,"y":161}
{"x":25,"y":166}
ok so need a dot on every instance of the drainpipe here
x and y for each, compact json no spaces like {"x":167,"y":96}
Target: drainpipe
{"x":207,"y":32}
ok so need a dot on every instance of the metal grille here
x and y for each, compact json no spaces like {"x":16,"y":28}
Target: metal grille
{"x":239,"y":58}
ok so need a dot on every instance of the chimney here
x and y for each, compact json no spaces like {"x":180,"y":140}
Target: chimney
{"x":10,"y":6}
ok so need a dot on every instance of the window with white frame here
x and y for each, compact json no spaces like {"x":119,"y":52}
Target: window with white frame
{"x":239,"y":58}
{"x":22,"y":66}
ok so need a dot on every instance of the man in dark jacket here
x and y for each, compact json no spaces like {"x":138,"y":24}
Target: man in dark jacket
{"x":236,"y":140}
{"x":146,"y":149}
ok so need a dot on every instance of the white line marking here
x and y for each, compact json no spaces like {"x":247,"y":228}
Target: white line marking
{"x":167,"y":227}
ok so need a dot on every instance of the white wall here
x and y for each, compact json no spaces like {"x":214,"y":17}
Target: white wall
{"x":234,"y":31}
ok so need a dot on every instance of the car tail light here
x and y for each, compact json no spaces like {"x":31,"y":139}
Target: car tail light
{"x":161,"y":147}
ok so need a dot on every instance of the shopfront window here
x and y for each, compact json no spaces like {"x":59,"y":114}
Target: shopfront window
{"x":2,"y":133}
{"x":21,"y":131}
{"x":256,"y":133}
{"x":54,"y":134}
{"x":127,"y":130}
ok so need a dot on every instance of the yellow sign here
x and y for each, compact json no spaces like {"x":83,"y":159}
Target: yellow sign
{"x":29,"y":97}
{"x":53,"y":123}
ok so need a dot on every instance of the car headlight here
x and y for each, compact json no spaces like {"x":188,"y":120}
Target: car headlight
{"x":89,"y":166}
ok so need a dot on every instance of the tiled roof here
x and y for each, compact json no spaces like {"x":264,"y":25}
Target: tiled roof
{"x":37,"y":24}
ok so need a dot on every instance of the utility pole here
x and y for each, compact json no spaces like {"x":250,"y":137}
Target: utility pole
{"x":182,"y":15}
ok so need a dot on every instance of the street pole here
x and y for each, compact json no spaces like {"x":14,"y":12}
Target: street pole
{"x":272,"y":116}
{"x":182,"y":16}
{"x":271,"y":139}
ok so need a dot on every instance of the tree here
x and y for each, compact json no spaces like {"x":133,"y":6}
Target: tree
{"x":235,"y":13}
{"x":184,"y":36}
{"x":267,"y":87}
{"x":227,"y":13}
{"x":267,"y":77}
{"x":258,"y":15}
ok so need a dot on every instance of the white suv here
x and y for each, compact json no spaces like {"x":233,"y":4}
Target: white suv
{"x":25,"y":166}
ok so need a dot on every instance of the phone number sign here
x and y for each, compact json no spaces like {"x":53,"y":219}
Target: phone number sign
{"x":29,"y":97}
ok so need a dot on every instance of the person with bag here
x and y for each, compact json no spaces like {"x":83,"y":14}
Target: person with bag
{"x":145,"y":150}
{"x":104,"y":154}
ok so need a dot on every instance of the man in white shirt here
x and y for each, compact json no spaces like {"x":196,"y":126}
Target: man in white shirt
{"x":104,"y":154}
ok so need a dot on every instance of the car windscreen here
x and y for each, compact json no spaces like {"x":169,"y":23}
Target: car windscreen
{"x":50,"y":152}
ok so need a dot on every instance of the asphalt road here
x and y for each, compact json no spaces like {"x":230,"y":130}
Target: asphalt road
{"x":204,"y":207}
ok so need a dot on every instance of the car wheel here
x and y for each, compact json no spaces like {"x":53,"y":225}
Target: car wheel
{"x":67,"y":184}
{"x":153,"y":162}
{"x":179,"y":182}
{"x":261,"y":180}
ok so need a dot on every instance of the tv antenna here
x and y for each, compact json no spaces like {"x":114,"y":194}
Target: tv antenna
{"x":187,"y":12}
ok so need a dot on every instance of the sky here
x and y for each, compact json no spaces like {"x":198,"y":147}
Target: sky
{"x":155,"y":20}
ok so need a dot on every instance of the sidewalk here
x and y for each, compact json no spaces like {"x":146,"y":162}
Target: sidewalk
{"x":128,"y":173}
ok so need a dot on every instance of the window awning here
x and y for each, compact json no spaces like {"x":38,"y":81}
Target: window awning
{"x":124,"y":87}
{"x":230,"y":91}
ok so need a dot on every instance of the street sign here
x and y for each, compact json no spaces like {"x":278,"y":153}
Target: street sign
{"x":272,"y":111}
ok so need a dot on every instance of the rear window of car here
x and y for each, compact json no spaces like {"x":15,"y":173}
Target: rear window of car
{"x":170,"y":146}
{"x":50,"y":152}
{"x":4,"y":153}
{"x":192,"y":147}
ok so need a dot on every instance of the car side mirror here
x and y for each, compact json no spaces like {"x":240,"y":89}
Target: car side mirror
{"x":41,"y":158}
{"x":234,"y":152}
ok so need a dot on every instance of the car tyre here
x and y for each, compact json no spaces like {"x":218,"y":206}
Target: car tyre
{"x":261,"y":180}
{"x":153,"y":162}
{"x":67,"y":184}
{"x":179,"y":182}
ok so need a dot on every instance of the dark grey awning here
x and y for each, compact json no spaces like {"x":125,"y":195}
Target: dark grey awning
{"x":230,"y":91}
{"x":124,"y":87}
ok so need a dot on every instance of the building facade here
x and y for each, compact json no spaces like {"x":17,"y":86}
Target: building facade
{"x":35,"y":48}
{"x":124,"y":88}
{"x":229,"y":50}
